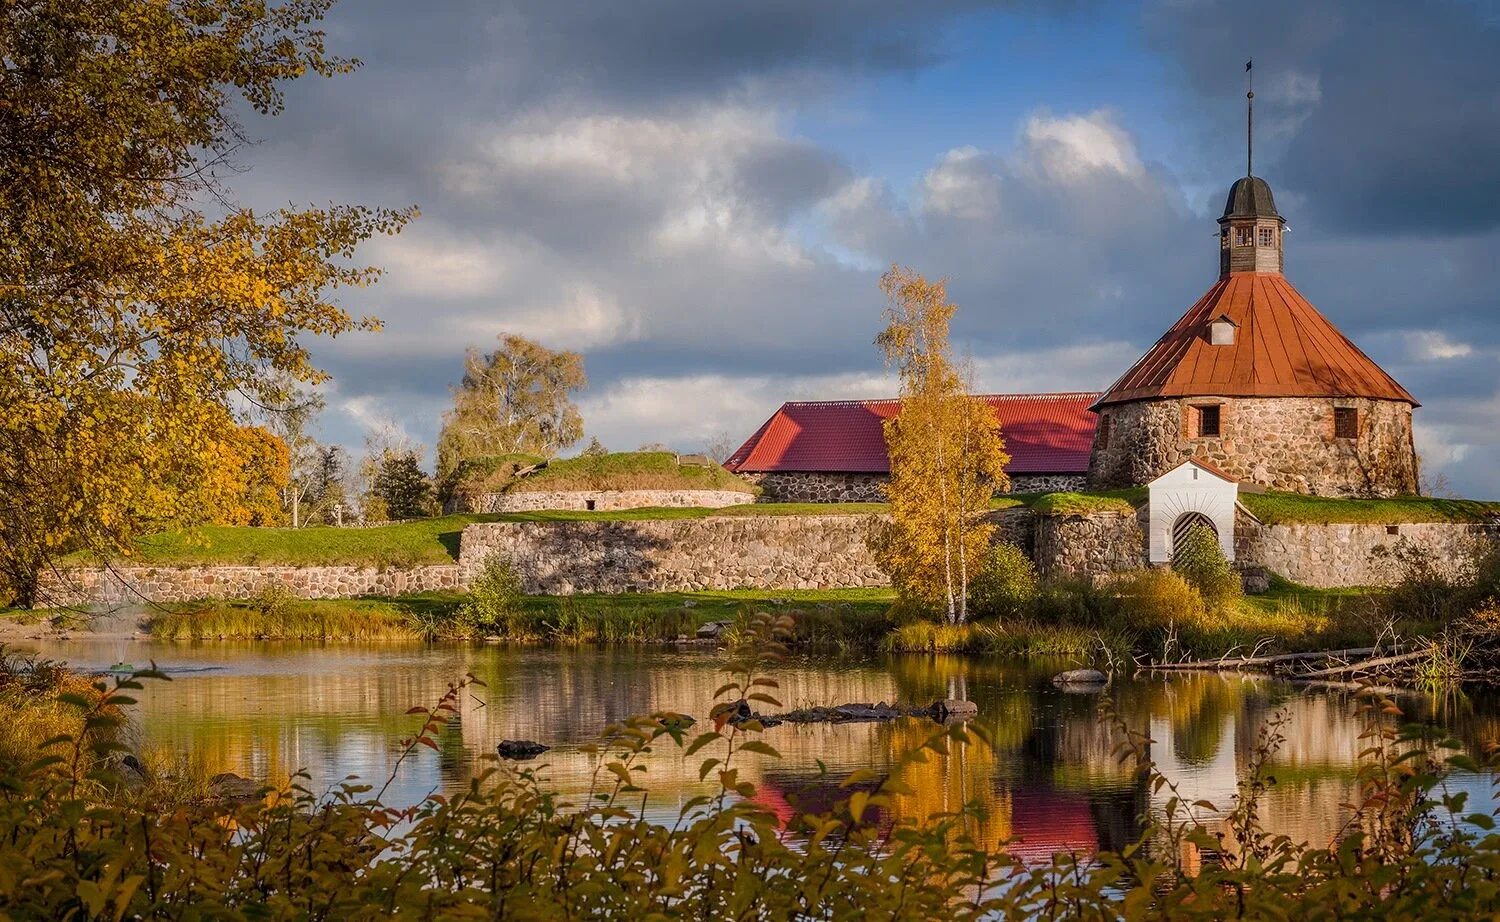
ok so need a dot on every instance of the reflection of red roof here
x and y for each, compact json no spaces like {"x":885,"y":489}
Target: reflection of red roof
{"x":1043,"y":433}
{"x":1282,"y":348}
{"x":1044,"y":823}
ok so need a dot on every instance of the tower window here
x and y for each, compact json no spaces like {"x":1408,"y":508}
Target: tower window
{"x":1206,"y":422}
{"x":1267,"y":236}
{"x":1103,"y":432}
{"x":1345,"y":423}
{"x":1243,"y":236}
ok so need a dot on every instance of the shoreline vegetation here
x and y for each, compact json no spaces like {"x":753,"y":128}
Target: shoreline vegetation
{"x":1072,"y":620}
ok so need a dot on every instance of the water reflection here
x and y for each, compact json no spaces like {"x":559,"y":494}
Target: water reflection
{"x":1050,"y":780}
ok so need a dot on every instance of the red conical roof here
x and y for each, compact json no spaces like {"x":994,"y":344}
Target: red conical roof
{"x":1282,"y":348}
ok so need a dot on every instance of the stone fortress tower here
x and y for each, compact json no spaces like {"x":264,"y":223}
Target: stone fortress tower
{"x":1254,"y":379}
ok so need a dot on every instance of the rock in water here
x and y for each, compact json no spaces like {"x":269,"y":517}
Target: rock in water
{"x":1092,"y":678}
{"x":954,"y":709}
{"x":237,"y":788}
{"x":520,"y":750}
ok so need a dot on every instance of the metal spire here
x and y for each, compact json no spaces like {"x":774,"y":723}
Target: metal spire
{"x":1250,"y":120}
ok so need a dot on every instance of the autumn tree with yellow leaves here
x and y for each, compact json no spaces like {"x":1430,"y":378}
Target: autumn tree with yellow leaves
{"x":947,"y":458}
{"x":138,"y":303}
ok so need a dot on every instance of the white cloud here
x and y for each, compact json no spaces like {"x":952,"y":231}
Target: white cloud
{"x":427,"y":261}
{"x":583,"y":318}
{"x":963,"y":184}
{"x":1069,"y":148}
{"x":1434,"y":344}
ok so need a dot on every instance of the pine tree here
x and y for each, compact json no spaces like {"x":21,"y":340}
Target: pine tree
{"x":402,"y":486}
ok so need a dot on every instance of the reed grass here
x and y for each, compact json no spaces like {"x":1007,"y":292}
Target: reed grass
{"x":356,"y":620}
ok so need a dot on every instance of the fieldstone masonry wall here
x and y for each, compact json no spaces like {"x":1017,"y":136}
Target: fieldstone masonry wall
{"x":1074,"y":546}
{"x":766,"y":552}
{"x":819,"y":487}
{"x":609,"y":500}
{"x":824,"y":487}
{"x":190,"y":584}
{"x":732,"y":552}
{"x":1284,"y":443}
{"x":1327,"y":556}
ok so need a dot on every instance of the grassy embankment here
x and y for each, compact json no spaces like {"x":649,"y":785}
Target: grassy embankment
{"x":629,"y":470}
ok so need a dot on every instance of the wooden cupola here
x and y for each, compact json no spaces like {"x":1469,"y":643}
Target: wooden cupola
{"x":1251,"y":231}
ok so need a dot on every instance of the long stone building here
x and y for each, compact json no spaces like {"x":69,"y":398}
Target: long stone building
{"x":834,"y":450}
{"x":1259,"y":382}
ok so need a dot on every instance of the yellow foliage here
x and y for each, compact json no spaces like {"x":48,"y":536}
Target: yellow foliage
{"x":947,"y":458}
{"x":129,"y":321}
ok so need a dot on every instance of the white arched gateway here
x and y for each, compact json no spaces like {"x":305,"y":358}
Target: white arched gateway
{"x":1193,"y":493}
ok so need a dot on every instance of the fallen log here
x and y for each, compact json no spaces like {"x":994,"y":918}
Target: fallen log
{"x":1269,"y":660}
{"x":1365,"y":665}
{"x":858,"y":713}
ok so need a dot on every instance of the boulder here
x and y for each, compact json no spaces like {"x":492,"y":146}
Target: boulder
{"x":713,"y":630}
{"x":1081,"y":678}
{"x":520,"y":750}
{"x":237,"y":788}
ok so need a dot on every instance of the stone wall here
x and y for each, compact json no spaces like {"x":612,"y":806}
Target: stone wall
{"x":1048,"y":483}
{"x":729,"y":552}
{"x":1085,"y":546}
{"x":827,"y":487}
{"x":190,"y":584}
{"x":767,"y":552}
{"x":1283,"y":443}
{"x":1327,"y":556}
{"x":608,"y":500}
{"x":819,"y":487}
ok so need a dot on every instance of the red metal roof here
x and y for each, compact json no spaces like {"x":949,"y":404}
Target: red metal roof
{"x":1043,"y":433}
{"x":1282,"y":348}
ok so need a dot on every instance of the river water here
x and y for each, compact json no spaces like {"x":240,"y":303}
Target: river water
{"x":1047,"y":780}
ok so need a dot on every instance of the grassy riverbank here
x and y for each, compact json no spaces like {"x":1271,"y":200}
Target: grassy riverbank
{"x":835,"y":618}
{"x":1072,"y":620}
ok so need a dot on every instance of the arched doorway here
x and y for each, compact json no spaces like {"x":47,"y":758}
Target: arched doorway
{"x":1186,"y":523}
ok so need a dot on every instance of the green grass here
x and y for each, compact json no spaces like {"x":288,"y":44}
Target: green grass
{"x":1057,"y":504}
{"x":420,"y":541}
{"x":629,"y":470}
{"x":1280,"y":508}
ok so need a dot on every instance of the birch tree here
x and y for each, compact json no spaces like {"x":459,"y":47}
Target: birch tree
{"x":947,"y":458}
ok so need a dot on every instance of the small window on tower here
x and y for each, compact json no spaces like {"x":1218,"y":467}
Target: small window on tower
{"x":1104,"y":432}
{"x":1243,"y":236}
{"x":1206,"y":422}
{"x":1268,"y":236}
{"x":1345,"y":423}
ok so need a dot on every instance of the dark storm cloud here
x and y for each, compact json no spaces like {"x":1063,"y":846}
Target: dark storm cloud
{"x":1385,"y":113}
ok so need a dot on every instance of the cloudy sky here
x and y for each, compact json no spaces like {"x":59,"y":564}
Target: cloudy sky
{"x":700,"y":196}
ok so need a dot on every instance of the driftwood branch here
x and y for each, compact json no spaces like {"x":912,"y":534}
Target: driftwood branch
{"x":1364,"y":665}
{"x":1272,"y":660}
